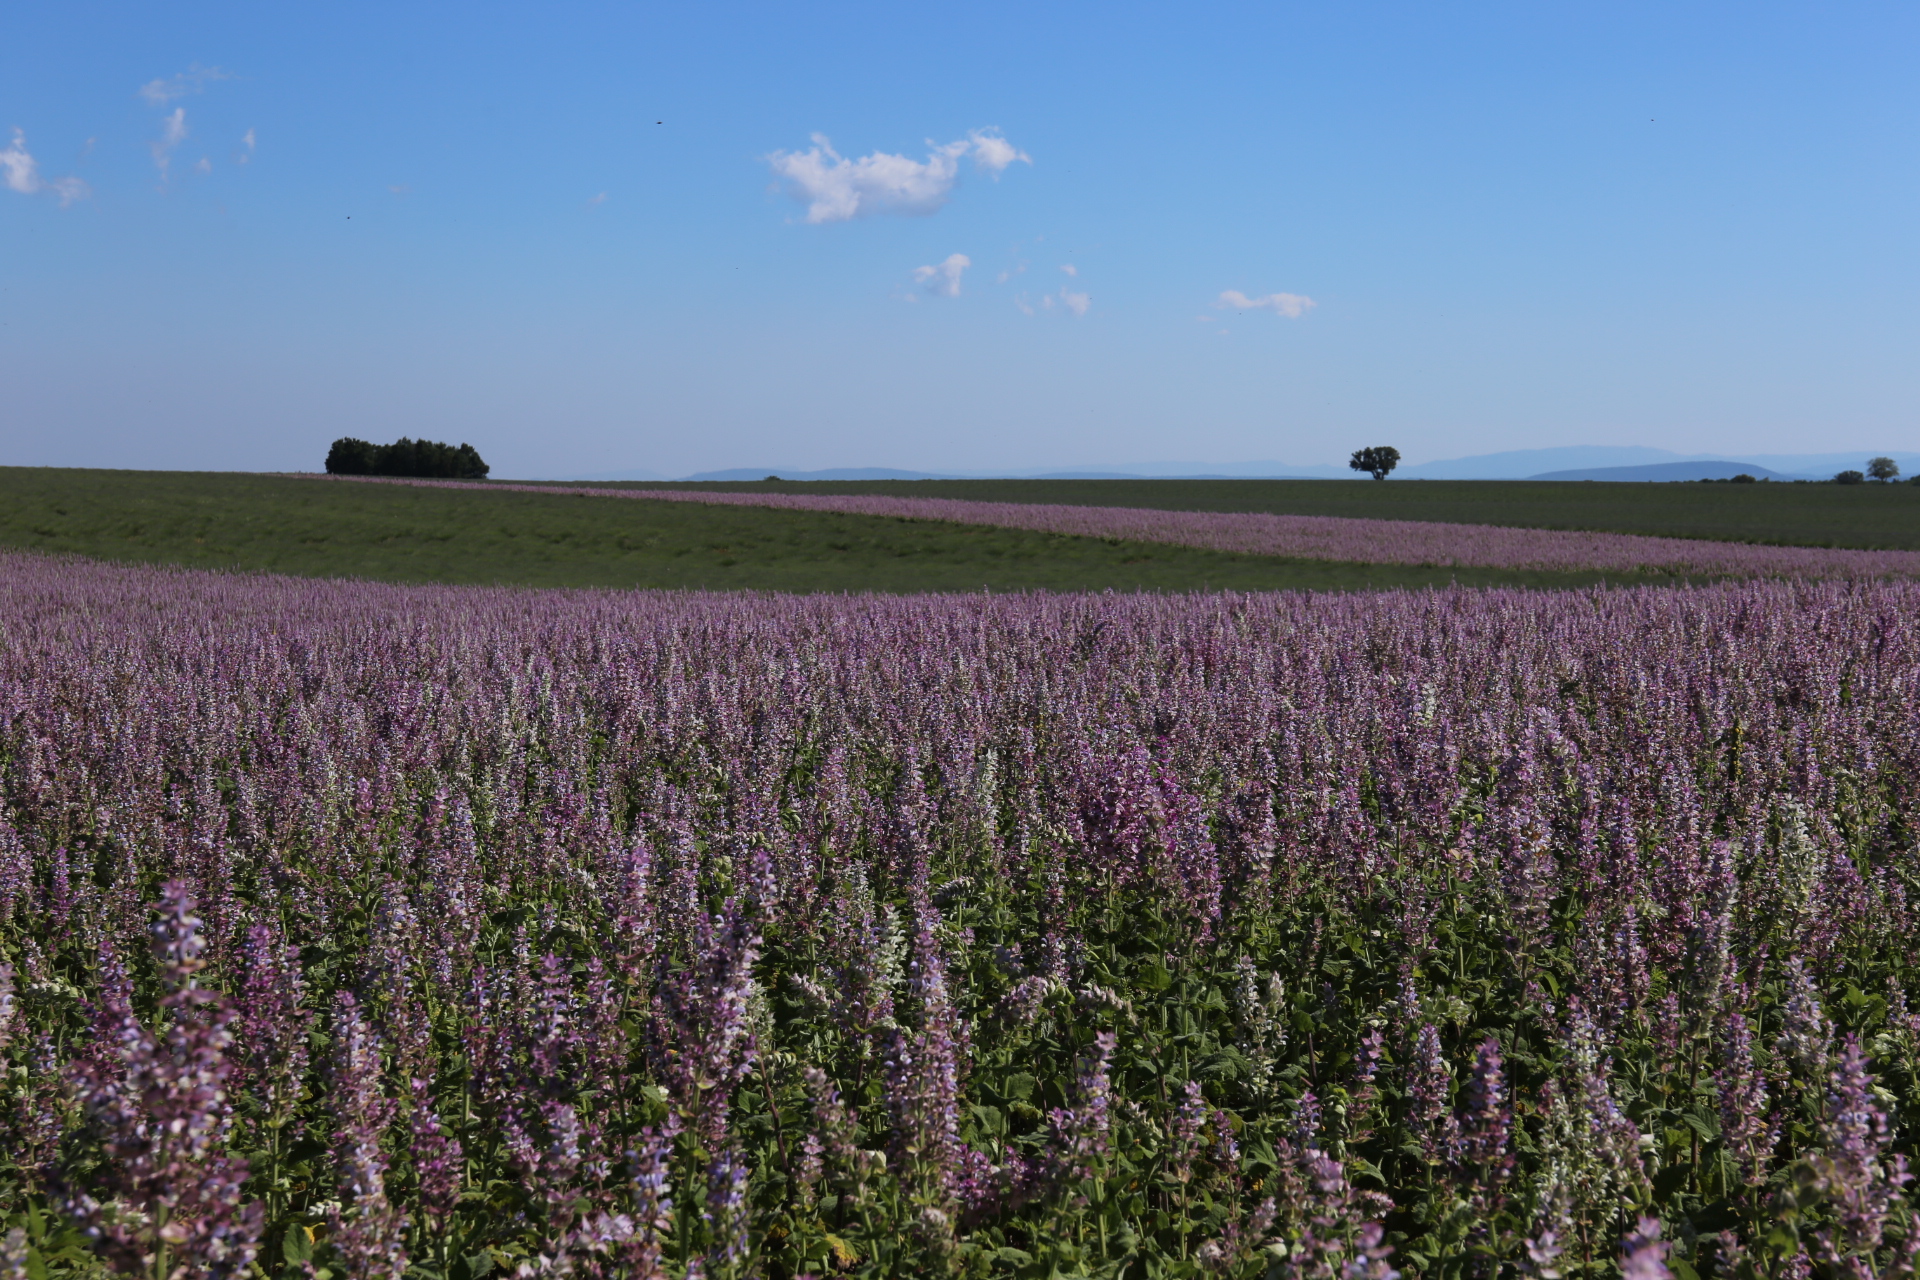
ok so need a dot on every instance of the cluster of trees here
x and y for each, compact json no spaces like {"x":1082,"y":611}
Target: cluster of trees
{"x":1884,"y":470}
{"x":417,"y":458}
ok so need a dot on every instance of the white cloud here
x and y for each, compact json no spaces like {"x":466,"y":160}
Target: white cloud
{"x":597,"y":200}
{"x":173,"y":131}
{"x":945,"y":278}
{"x":1290,"y":305}
{"x":1066,"y":300}
{"x":836,"y":189}
{"x":1070,"y":269}
{"x":244,"y":157}
{"x":192,"y":80}
{"x":23,"y":175}
{"x":23,"y":171}
{"x":205,"y":165}
{"x":993,"y":152}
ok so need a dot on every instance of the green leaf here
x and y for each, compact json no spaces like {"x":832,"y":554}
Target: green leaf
{"x":297,"y":1246}
{"x":1705,"y":1126}
{"x":1019,"y":1086}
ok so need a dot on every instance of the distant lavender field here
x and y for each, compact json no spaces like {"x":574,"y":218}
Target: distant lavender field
{"x":1322,"y":537}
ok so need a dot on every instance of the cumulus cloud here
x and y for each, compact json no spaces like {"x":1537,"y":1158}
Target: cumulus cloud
{"x":993,"y":152}
{"x":1065,"y":300}
{"x":173,"y":132}
{"x":244,"y":155}
{"x":23,"y":171}
{"x":1070,"y":269}
{"x":192,"y":80}
{"x":945,"y":278}
{"x":836,"y":189}
{"x":597,"y":200}
{"x":1290,"y":305}
{"x":23,"y":175}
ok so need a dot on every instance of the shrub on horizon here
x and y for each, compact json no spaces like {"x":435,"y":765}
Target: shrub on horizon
{"x":1849,"y":477}
{"x":1377,"y":461}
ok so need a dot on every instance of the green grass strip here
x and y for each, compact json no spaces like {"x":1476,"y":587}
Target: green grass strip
{"x":397,"y":533}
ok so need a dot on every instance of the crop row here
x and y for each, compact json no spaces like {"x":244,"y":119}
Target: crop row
{"x":371,"y":931}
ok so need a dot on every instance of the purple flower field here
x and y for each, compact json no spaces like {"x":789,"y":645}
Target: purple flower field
{"x":1422,"y":542}
{"x":366,"y":931}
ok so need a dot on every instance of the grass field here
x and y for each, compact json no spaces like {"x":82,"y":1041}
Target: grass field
{"x":1817,"y":515}
{"x":402,"y":534}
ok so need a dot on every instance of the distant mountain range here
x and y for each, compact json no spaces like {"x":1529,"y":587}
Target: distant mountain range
{"x":1668,"y":471}
{"x":1573,"y":462}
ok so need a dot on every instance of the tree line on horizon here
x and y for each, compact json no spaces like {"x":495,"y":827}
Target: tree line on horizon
{"x":417,"y":459}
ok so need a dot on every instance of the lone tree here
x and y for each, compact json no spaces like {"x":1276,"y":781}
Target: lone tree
{"x":1849,"y":477}
{"x":1377,"y":461}
{"x":419,"y":459}
{"x":1883,"y":469}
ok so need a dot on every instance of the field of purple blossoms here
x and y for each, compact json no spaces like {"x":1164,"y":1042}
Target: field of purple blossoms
{"x":369,"y":931}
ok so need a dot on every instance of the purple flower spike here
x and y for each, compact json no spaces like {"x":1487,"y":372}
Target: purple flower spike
{"x":1860,"y":1180}
{"x":1645,"y":1255}
{"x":368,"y":1231}
{"x":1187,"y":1132}
{"x":160,"y":1109}
{"x":1483,"y":1147}
{"x":438,"y":1162}
{"x":1429,"y":1114}
{"x":1745,"y":1127}
{"x":726,"y":1215}
{"x":1080,"y":1131}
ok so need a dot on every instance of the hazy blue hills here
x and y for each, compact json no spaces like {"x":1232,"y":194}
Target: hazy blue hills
{"x":1667,"y":471}
{"x":1570,"y":462}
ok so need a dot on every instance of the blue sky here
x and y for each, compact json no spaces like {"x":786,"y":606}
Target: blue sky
{"x":579,"y":237}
